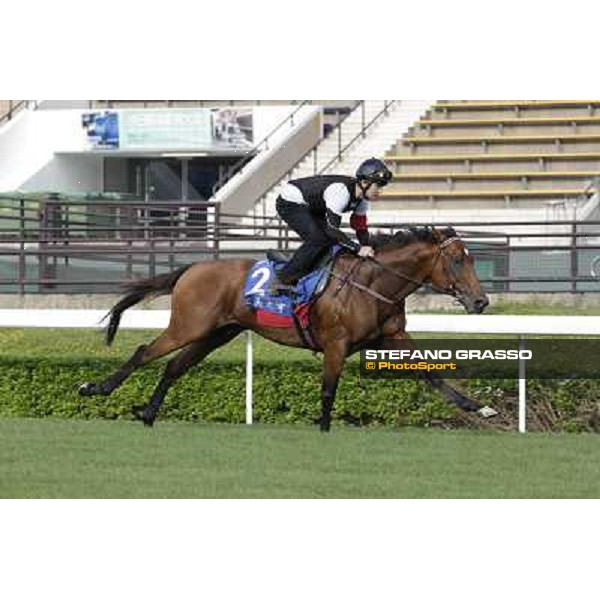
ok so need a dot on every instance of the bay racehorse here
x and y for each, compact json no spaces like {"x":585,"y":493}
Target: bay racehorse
{"x":363,"y":306}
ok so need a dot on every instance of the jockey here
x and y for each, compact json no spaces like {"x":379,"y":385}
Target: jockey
{"x":313,"y":208}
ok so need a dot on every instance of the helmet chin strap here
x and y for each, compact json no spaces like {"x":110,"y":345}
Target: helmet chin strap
{"x":363,"y":189}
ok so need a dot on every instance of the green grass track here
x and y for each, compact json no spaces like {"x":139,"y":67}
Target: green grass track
{"x":47,"y":458}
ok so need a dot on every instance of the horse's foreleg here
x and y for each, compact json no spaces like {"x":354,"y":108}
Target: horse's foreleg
{"x":333,"y":363}
{"x":178,"y":366}
{"x":449,"y":392}
{"x":452,"y":394}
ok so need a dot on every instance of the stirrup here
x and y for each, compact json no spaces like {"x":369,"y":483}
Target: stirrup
{"x":278,"y":288}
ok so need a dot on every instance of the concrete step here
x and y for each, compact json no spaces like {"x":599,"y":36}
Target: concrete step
{"x":440,"y":204}
{"x":480,"y":162}
{"x":513,"y":182}
{"x":515,"y":108}
{"x":558,"y":119}
{"x":496,"y":147}
{"x":513,"y":129}
{"x":482,"y":194}
{"x":506,"y":113}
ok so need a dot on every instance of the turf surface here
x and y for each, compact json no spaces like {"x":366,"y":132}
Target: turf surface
{"x":48,"y":458}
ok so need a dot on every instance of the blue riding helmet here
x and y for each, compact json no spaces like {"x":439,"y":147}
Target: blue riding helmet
{"x":374,"y":170}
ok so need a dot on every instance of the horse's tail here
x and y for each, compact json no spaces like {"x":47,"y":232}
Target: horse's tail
{"x":139,"y":290}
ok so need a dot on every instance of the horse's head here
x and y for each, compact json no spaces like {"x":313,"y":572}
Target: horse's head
{"x":453,"y":272}
{"x":435,"y":256}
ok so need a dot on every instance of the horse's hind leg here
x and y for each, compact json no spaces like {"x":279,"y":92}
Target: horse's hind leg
{"x":161,"y":346}
{"x":110,"y":384}
{"x":180,"y":364}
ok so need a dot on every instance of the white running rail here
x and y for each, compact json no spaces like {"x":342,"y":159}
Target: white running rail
{"x":417,"y":323}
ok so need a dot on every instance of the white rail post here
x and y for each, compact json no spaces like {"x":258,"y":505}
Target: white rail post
{"x":248,"y":377}
{"x":522,"y":389}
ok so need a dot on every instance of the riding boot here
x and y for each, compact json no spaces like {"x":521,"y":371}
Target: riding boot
{"x":277,"y":257}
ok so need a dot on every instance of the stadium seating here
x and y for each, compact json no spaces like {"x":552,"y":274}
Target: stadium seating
{"x":509,"y":153}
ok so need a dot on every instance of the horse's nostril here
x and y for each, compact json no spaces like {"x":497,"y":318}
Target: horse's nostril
{"x":481,"y":303}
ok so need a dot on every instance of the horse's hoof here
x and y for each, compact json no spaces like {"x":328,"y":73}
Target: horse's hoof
{"x":486,"y":412}
{"x":87,"y":389}
{"x":324,"y":425}
{"x":139,"y":413}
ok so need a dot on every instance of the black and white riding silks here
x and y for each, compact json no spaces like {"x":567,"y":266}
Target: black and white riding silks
{"x":313,"y":208}
{"x":334,"y":192}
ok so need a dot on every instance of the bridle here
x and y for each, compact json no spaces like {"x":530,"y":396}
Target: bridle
{"x":450,"y":290}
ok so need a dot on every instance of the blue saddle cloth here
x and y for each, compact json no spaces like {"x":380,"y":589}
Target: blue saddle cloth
{"x":259,"y":279}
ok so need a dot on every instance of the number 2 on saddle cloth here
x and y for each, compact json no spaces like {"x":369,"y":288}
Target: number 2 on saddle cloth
{"x":284,"y":310}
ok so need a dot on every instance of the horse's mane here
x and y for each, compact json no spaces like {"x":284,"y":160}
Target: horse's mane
{"x":410,"y":235}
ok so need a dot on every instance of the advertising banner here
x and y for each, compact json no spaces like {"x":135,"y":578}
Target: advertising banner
{"x":166,"y":129}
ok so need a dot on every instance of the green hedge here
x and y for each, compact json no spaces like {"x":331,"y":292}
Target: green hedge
{"x":213,"y":392}
{"x":285,"y":392}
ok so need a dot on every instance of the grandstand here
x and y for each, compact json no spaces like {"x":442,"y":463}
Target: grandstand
{"x":538,"y":156}
{"x":460,"y":158}
{"x":516,"y":175}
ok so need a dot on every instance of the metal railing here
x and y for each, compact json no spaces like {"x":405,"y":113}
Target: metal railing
{"x":338,"y":132}
{"x":341,"y":149}
{"x":15,"y":106}
{"x":335,"y":130}
{"x":257,"y":149}
{"x":53,"y":244}
{"x":361,"y":134}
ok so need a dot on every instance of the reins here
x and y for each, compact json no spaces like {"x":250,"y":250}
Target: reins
{"x":399,"y":275}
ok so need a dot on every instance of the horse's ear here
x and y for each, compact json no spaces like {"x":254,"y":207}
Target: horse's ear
{"x":436,"y":235}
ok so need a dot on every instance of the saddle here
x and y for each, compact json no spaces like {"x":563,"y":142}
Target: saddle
{"x":289,"y":309}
